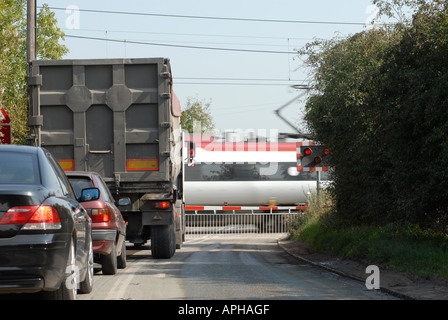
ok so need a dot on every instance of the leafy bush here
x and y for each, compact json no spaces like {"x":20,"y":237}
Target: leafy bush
{"x":381,"y":106}
{"x":13,"y":64}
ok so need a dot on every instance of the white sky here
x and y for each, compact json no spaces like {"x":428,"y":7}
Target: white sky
{"x":235,"y":104}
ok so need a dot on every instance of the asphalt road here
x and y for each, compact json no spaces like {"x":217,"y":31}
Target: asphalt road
{"x":225,"y":269}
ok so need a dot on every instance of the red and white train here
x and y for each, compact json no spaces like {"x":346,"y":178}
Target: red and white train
{"x":247,"y":175}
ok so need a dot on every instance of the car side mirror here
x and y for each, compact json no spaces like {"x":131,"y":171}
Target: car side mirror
{"x":124,"y":201}
{"x":90,"y":194}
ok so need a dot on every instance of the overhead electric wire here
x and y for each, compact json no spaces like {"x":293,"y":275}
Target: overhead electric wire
{"x":197,"y":43}
{"x":240,"y":81}
{"x":235,"y":79}
{"x":179,"y":46}
{"x":245,"y":108}
{"x":209,"y":43}
{"x":214,"y":17}
{"x":192,"y":34}
{"x":253,"y":108}
{"x":263,"y":105}
{"x":232,"y":83}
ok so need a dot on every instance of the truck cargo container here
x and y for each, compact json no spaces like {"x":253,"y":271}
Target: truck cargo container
{"x":121,"y":119}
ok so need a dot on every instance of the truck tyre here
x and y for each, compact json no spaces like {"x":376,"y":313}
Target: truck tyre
{"x":163,"y":241}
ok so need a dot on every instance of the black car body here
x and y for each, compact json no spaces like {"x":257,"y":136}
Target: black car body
{"x":45,"y":234}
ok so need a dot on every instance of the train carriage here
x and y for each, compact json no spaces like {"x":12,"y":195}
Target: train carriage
{"x":247,"y":174}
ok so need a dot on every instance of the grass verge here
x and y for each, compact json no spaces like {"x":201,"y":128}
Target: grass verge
{"x":403,"y":246}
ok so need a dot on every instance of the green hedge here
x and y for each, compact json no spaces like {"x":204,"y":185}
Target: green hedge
{"x":381,"y":106}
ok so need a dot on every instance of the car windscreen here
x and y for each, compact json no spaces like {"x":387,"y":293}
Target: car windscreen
{"x":79,"y":183}
{"x":19,"y":168}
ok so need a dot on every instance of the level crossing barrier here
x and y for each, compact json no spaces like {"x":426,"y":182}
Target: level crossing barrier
{"x":211,"y":221}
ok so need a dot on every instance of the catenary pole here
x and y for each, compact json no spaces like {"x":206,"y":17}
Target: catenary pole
{"x":34,"y":119}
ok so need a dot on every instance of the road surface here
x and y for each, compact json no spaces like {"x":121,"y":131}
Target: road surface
{"x":224,"y":269}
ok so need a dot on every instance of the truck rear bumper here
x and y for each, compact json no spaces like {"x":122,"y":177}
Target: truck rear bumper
{"x":157,"y":218}
{"x":138,"y":230}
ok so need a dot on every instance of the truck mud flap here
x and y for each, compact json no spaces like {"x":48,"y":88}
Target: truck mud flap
{"x":134,"y":231}
{"x":156,"y":218}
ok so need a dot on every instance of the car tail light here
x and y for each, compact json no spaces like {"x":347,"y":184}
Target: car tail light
{"x":161,"y":205}
{"x":33,"y":217}
{"x":101,"y":215}
{"x":44,"y":218}
{"x":18,"y":215}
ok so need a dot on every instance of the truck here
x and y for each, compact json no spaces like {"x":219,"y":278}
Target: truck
{"x":121,"y":119}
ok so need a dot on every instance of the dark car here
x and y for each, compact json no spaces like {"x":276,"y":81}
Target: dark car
{"x":108,"y":226}
{"x":45,"y":234}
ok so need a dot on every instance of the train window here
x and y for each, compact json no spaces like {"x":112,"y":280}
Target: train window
{"x":281,"y":171}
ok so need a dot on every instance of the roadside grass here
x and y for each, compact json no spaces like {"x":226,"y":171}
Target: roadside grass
{"x":405,"y":247}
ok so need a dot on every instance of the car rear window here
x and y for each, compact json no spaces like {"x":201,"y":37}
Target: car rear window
{"x":19,"y":168}
{"x":79,"y":183}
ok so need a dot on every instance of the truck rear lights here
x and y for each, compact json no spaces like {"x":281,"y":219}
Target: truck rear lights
{"x":33,"y":217}
{"x":161,"y":205}
{"x":100,"y":215}
{"x":142,"y":164}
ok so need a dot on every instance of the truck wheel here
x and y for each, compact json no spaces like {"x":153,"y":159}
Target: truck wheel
{"x":163,"y":241}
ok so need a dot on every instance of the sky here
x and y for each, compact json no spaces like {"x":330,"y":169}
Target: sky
{"x":244,"y":83}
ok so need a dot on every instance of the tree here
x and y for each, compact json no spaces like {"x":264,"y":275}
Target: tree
{"x":338,"y":113}
{"x":199,"y":112}
{"x":13,"y":66}
{"x":380,"y":105}
{"x":414,"y":102}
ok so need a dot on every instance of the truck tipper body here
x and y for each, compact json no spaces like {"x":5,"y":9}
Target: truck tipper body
{"x":120,"y":118}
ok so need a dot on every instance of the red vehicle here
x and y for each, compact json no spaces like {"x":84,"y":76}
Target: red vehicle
{"x":108,"y":226}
